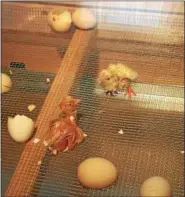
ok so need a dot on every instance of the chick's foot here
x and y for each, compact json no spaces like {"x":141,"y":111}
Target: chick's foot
{"x":109,"y":92}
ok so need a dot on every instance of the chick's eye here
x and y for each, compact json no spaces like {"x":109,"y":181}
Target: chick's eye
{"x":108,"y":78}
{"x":70,"y":104}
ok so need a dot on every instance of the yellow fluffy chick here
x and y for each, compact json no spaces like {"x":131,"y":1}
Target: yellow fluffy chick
{"x":123,"y":71}
{"x":108,"y":81}
{"x":118,"y":77}
{"x":125,"y":74}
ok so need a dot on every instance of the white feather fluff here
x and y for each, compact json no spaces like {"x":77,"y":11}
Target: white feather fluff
{"x":107,"y":80}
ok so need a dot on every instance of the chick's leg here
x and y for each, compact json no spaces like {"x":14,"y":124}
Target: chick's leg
{"x":109,"y":92}
{"x":129,"y":92}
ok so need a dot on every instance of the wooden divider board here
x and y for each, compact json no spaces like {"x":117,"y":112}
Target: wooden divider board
{"x":27,"y":169}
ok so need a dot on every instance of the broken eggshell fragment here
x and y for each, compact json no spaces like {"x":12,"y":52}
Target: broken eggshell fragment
{"x":31,"y":107}
{"x":60,"y":20}
{"x":20,"y":128}
{"x":6,"y":83}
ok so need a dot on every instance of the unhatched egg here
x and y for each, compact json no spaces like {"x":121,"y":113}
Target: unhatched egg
{"x":96,"y":173}
{"x":60,"y":20}
{"x":84,"y":18}
{"x":155,"y":186}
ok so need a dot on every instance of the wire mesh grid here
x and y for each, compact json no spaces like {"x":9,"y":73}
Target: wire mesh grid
{"x":142,"y":26}
{"x":26,"y":18}
{"x":27,"y":167}
{"x":33,"y":18}
{"x":153,"y":137}
{"x":150,"y":144}
{"x":158,"y":64}
{"x":28,"y":88}
{"x":142,"y":18}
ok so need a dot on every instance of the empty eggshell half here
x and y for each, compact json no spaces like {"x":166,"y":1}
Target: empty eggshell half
{"x":96,"y":173}
{"x":84,"y":18}
{"x":155,"y":186}
{"x":60,"y":20}
{"x":6,"y":83}
{"x":20,"y":128}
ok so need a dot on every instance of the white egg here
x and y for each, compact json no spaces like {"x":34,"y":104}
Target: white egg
{"x":84,"y":18}
{"x":6,"y":83}
{"x":155,"y":186}
{"x":60,"y":20}
{"x":20,"y":128}
{"x":96,"y":173}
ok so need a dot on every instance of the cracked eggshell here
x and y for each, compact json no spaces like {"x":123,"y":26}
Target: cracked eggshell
{"x":6,"y":83}
{"x":60,"y":20}
{"x":84,"y":18}
{"x":20,"y":128}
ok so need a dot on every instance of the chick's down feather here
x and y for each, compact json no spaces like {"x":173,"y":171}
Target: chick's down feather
{"x":122,"y":71}
{"x":107,"y":80}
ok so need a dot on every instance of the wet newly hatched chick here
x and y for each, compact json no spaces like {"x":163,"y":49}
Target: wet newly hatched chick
{"x":64,"y":131}
{"x":68,"y":106}
{"x":108,"y":81}
{"x":125,"y":76}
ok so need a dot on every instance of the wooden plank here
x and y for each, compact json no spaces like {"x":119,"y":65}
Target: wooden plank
{"x":27,"y":169}
{"x":49,"y":40}
{"x":151,"y":69}
{"x":139,"y":47}
{"x":148,"y":27}
{"x":36,"y":58}
{"x":157,"y":6}
{"x":163,"y":35}
{"x":36,"y":4}
{"x":176,"y":7}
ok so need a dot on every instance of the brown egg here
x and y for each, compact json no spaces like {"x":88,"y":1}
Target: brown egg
{"x":84,"y":18}
{"x":155,"y":186}
{"x":96,"y":173}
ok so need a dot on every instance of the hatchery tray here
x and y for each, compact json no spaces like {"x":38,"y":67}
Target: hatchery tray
{"x":153,"y":125}
{"x":151,"y":145}
{"x":152,"y":122}
{"x":28,"y":88}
